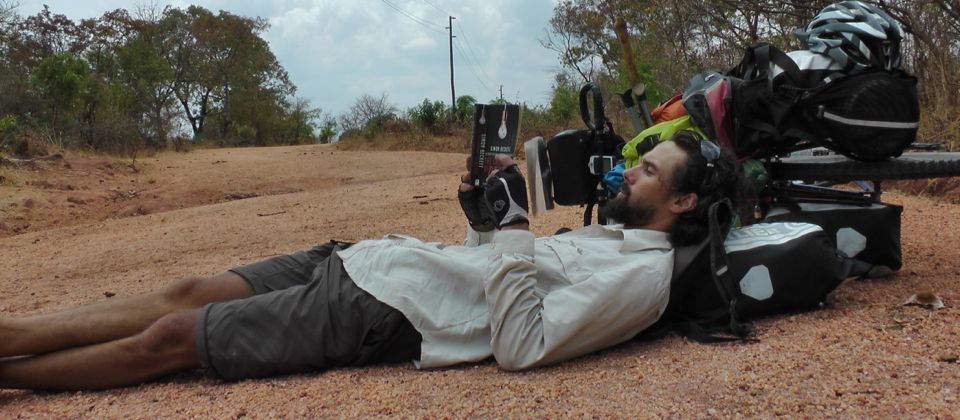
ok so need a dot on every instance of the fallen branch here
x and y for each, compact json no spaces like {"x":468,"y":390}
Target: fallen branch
{"x":240,"y":195}
{"x":13,"y":160}
{"x":271,"y":214}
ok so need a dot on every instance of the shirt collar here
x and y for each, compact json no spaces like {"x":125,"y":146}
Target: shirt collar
{"x":633,"y":239}
{"x":643,"y":239}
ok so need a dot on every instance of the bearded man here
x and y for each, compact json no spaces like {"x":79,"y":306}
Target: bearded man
{"x":525,"y":301}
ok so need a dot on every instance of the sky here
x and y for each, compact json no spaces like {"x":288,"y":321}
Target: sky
{"x":337,"y":50}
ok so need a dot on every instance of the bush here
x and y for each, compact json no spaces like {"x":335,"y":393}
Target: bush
{"x":565,"y":104}
{"x":428,"y":114}
{"x":465,"y":105}
{"x":117,"y":133}
{"x":8,"y":124}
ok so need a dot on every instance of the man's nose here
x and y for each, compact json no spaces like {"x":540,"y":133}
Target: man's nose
{"x":629,"y":175}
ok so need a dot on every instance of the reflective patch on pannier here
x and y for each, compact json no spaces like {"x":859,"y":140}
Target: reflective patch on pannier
{"x":766,"y":234}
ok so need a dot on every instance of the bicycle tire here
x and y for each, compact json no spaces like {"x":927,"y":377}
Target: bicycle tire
{"x":842,"y":169}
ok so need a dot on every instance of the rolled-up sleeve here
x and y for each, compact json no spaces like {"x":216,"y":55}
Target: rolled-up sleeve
{"x":475,"y":238}
{"x":531,"y":329}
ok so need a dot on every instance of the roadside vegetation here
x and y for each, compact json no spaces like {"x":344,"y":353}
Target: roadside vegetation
{"x":170,"y":78}
{"x":149,"y":78}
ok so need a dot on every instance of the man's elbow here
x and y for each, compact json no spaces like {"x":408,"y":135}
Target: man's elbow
{"x":516,"y":360}
{"x":513,"y":365}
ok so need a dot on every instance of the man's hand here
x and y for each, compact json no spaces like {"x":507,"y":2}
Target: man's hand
{"x":500,"y":203}
{"x":475,"y":206}
{"x":506,"y":194}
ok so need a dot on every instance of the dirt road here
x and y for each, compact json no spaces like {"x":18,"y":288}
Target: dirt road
{"x":87,"y":229}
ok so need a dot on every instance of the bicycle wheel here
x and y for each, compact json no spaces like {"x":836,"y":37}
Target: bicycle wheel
{"x":842,"y":169}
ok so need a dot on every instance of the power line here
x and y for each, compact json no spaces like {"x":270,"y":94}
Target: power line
{"x":437,"y":7}
{"x":463,"y":35}
{"x":471,"y":62}
{"x":412,"y":17}
{"x":470,"y":66}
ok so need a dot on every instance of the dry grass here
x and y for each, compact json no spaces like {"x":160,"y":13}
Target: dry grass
{"x":940,"y":123}
{"x":863,"y":355}
{"x":406,"y":141}
{"x":937,"y":189}
{"x":455,"y":140}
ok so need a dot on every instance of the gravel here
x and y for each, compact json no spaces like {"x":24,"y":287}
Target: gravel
{"x":863,"y":355}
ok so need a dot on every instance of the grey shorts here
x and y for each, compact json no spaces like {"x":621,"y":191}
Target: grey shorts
{"x":306,"y":315}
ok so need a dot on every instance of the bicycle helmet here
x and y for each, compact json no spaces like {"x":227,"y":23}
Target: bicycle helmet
{"x":855,"y":34}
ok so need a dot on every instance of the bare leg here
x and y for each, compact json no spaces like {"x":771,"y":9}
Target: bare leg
{"x":113,"y":319}
{"x":166,"y":346}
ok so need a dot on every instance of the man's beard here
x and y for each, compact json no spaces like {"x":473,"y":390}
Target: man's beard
{"x":631,"y":215}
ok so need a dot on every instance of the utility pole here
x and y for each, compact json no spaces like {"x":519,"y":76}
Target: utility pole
{"x":501,"y":93}
{"x":453,"y":92}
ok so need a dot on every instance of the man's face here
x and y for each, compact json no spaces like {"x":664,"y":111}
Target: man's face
{"x":645,"y":197}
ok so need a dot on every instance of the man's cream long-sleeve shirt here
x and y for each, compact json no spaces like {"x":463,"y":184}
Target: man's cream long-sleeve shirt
{"x":526,"y":301}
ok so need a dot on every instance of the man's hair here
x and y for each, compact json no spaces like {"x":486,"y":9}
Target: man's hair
{"x":721,"y":181}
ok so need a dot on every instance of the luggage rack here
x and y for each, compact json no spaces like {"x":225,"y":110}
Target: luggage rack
{"x":810,"y":176}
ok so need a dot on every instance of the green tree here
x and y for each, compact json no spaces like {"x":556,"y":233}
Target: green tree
{"x":464,"y":107}
{"x":427,"y":114}
{"x":14,"y":84}
{"x":145,"y":73}
{"x":8,"y":124}
{"x":223,"y":68}
{"x":7,"y":18}
{"x":300,"y":124}
{"x":328,"y":128}
{"x":61,"y":78}
{"x":43,"y":35}
{"x":190,"y":61}
{"x":146,"y":76}
{"x":564,"y":100}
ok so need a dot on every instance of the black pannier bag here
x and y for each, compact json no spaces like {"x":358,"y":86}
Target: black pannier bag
{"x":760,"y":269}
{"x":784,"y":267}
{"x":870,"y":233}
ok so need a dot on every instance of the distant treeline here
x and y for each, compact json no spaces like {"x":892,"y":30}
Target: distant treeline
{"x":144,"y":78}
{"x":168,"y":77}
{"x":147,"y":78}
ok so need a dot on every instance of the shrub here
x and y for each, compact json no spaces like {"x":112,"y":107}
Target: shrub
{"x":428,"y":114}
{"x":8,"y":124}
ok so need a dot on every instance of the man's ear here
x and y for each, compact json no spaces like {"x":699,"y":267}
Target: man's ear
{"x":684,"y":203}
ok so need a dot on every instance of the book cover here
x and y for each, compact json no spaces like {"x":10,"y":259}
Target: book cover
{"x":495,"y":129}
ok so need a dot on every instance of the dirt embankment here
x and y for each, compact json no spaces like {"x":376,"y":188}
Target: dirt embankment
{"x":87,"y":229}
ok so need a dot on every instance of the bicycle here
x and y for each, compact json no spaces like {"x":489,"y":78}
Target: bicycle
{"x":808,"y":172}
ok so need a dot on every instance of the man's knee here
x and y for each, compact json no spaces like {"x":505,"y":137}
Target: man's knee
{"x":171,"y":335}
{"x":194,"y":292}
{"x":183,"y":290}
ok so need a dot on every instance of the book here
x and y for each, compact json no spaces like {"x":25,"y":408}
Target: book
{"x":495,"y":130}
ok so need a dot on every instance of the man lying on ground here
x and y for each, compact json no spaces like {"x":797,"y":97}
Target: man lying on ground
{"x":525,"y":301}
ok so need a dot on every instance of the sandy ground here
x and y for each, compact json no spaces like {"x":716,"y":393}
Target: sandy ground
{"x":84,"y":229}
